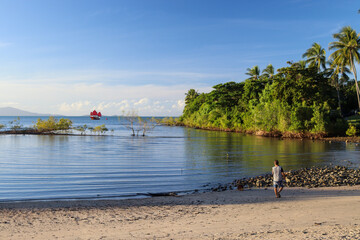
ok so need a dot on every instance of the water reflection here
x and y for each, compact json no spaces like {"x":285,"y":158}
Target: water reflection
{"x":238,"y":155}
{"x":170,"y":159}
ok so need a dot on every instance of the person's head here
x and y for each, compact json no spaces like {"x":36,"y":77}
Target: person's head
{"x":276,"y":162}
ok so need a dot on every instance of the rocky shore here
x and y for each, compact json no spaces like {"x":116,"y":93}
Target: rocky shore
{"x":329,"y":176}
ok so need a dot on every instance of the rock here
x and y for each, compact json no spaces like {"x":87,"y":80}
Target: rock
{"x":240,"y":187}
{"x":305,"y":177}
{"x":259,"y":183}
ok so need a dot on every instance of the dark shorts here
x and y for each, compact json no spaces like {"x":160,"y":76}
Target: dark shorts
{"x":278,"y":184}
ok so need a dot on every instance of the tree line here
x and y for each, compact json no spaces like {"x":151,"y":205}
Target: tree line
{"x":312,"y":96}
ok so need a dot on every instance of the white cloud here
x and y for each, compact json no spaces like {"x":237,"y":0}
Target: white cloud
{"x":78,"y":92}
{"x":141,"y":102}
{"x":80,"y":99}
{"x":76,"y":106}
{"x":179,"y":105}
{"x":142,"y":106}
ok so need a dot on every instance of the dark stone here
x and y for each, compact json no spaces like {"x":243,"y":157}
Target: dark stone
{"x":307,"y":177}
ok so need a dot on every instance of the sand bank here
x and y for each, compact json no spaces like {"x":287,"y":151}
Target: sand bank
{"x":320,"y":213}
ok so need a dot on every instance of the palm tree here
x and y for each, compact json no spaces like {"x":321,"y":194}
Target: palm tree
{"x":338,"y":75}
{"x":268,"y":71}
{"x":316,"y":56}
{"x":254,"y":72}
{"x":346,"y":52}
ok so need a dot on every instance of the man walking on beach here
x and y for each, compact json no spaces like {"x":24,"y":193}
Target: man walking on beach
{"x":278,"y":175}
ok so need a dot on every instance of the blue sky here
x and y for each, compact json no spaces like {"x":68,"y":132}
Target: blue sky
{"x":68,"y":57}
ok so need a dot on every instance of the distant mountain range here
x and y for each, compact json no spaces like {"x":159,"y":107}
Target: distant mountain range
{"x":10,"y":111}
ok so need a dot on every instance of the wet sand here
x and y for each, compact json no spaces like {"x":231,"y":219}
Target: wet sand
{"x":320,"y":213}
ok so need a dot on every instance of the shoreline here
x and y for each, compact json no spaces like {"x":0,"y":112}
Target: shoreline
{"x":279,"y":135}
{"x":320,"y":213}
{"x":274,"y":134}
{"x":246,"y":196}
{"x":342,"y":139}
{"x":31,"y":132}
{"x":313,"y":177}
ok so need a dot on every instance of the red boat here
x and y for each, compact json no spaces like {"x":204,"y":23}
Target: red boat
{"x":94,"y":115}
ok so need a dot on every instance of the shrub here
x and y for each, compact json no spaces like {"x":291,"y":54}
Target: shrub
{"x":100,"y":129}
{"x":15,"y":124}
{"x":351,"y":132}
{"x":63,"y":124}
{"x":170,"y":121}
{"x":81,"y":129}
{"x":52,"y":124}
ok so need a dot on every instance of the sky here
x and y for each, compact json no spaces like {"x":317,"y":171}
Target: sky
{"x":71,"y":57}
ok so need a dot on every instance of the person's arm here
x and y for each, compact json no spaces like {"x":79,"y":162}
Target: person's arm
{"x":283,"y":173}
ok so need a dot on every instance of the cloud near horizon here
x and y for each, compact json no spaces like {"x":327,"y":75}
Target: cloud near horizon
{"x":80,"y":99}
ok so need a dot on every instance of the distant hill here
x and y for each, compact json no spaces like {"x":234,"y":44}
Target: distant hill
{"x":10,"y":111}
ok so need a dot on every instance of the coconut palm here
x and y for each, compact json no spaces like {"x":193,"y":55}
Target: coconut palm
{"x":346,"y":51}
{"x":338,"y":75}
{"x":268,"y":71}
{"x":254,"y":72}
{"x":316,"y":56}
{"x":339,"y":70}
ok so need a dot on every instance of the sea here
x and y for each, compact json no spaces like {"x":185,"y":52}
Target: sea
{"x":117,"y":165}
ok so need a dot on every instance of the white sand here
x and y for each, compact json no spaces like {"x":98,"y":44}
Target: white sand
{"x":322,"y":213}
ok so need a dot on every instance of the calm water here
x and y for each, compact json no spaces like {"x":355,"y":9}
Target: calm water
{"x":168,"y":159}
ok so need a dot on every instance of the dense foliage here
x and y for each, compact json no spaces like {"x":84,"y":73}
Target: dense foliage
{"x":53,"y":124}
{"x":304,"y":97}
{"x":293,"y":100}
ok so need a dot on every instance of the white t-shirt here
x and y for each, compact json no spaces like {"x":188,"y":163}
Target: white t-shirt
{"x":277,"y":173}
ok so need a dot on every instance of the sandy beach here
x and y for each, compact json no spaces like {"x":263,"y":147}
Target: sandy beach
{"x":320,"y":213}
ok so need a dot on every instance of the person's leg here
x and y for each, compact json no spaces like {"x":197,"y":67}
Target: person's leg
{"x":281,"y":186}
{"x":276,"y":191}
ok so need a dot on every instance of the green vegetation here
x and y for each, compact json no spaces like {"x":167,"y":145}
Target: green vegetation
{"x":351,"y":131}
{"x":52,"y":124}
{"x":354,"y":125}
{"x":346,"y":52}
{"x":100,"y":129}
{"x":15,"y":124}
{"x":170,"y":121}
{"x":309,"y":97}
{"x":81,"y":129}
